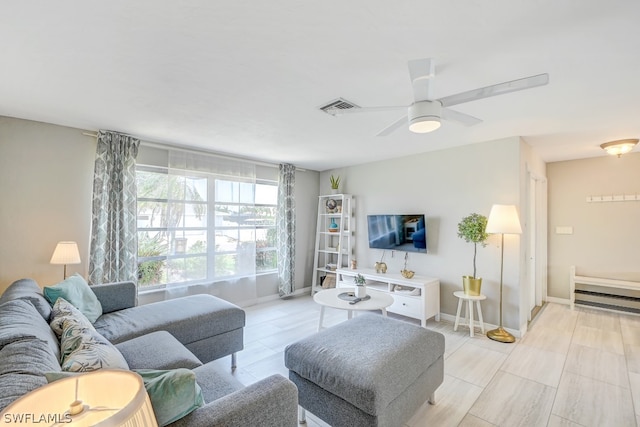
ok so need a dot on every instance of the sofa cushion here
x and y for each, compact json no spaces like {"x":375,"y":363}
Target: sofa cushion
{"x":19,"y":319}
{"x":157,"y":350}
{"x":215,"y":382}
{"x":76,"y":290}
{"x":173,"y":393}
{"x":188,"y":319}
{"x":22,"y":367}
{"x":82,"y":347}
{"x":29,"y":290}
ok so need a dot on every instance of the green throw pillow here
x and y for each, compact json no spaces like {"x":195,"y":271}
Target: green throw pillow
{"x":174,"y":393}
{"x":76,"y":290}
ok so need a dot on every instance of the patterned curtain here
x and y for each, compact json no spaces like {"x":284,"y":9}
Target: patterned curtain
{"x":114,"y":242}
{"x":286,"y":229}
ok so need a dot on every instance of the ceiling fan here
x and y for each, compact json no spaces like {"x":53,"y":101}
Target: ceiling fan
{"x":425,"y":113}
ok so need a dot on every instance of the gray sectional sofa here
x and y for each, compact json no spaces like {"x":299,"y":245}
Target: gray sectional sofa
{"x":188,"y":332}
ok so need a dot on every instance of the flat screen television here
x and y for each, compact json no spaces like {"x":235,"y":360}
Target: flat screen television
{"x":398,"y":232}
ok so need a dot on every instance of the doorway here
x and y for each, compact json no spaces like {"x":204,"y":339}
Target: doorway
{"x":536,"y":249}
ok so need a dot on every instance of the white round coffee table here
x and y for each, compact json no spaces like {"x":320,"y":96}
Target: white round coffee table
{"x":329,"y":298}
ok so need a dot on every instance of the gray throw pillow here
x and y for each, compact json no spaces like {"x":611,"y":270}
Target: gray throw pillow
{"x":29,"y":290}
{"x":19,"y":320}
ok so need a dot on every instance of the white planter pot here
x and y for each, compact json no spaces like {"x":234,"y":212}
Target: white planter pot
{"x":361,"y":291}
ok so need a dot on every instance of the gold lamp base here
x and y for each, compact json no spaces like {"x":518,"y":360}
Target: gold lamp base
{"x":501,"y":335}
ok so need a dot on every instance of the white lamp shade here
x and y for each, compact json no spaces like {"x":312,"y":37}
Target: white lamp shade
{"x":66,"y":253}
{"x":503,"y":219}
{"x":104,"y":398}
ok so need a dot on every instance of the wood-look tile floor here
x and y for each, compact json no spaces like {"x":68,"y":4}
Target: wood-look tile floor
{"x":573,"y":368}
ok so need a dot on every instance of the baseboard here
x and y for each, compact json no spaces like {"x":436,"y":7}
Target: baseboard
{"x":563,"y":301}
{"x":487,"y":326}
{"x":274,"y":297}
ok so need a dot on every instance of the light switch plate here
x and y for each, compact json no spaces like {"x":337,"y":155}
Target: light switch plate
{"x":565,"y":229}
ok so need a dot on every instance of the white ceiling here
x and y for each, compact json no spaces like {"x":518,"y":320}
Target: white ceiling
{"x":247,"y":77}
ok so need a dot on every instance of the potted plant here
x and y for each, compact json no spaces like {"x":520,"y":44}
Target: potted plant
{"x":360,"y":290}
{"x":472,"y":229}
{"x":335,"y":183}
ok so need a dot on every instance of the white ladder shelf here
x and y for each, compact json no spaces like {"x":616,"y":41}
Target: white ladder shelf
{"x":334,"y":248}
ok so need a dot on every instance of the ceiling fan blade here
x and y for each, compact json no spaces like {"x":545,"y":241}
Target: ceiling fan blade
{"x":499,"y":89}
{"x":402,"y":121}
{"x":422,"y":72}
{"x":457,"y":116}
{"x":357,"y":110}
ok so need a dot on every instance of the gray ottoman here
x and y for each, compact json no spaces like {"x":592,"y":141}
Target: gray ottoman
{"x":369,"y":371}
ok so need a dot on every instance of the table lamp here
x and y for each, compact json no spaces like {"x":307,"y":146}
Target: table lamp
{"x":65,"y":253}
{"x":102,"y":398}
{"x":503,"y":219}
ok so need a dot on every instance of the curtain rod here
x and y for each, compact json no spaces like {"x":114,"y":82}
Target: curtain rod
{"x":203,"y":151}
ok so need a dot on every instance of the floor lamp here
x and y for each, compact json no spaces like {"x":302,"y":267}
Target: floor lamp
{"x":503,"y":219}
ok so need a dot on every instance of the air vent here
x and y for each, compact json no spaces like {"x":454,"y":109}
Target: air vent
{"x":338,"y":105}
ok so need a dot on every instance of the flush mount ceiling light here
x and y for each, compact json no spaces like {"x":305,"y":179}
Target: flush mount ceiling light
{"x":619,"y":147}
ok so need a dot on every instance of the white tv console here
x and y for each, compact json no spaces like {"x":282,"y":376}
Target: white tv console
{"x":423,"y":306}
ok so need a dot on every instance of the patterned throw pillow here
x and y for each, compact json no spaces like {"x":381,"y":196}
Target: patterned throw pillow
{"x":82,"y":348}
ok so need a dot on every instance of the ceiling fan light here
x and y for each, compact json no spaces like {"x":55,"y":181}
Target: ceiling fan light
{"x":424,"y":124}
{"x":424,"y":116}
{"x":619,"y":147}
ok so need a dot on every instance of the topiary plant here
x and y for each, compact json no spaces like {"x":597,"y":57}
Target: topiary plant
{"x":472,"y":229}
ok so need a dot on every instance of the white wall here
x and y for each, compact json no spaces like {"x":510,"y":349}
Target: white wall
{"x":605,"y":235}
{"x":445,"y":185}
{"x":46,"y":176}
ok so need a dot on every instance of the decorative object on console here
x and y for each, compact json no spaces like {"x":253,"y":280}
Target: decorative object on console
{"x":503,"y":219}
{"x":335,"y":184}
{"x":65,"y":253}
{"x":87,"y":400}
{"x":333,"y":227}
{"x":381,"y":266}
{"x":354,"y":264}
{"x":472,"y":229}
{"x":361,"y":290}
{"x":407,"y":274}
{"x":619,"y":147}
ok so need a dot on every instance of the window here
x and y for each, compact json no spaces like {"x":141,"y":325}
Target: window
{"x":201,"y":227}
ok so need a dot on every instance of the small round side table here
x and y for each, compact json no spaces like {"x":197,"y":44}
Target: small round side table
{"x":470,"y":299}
